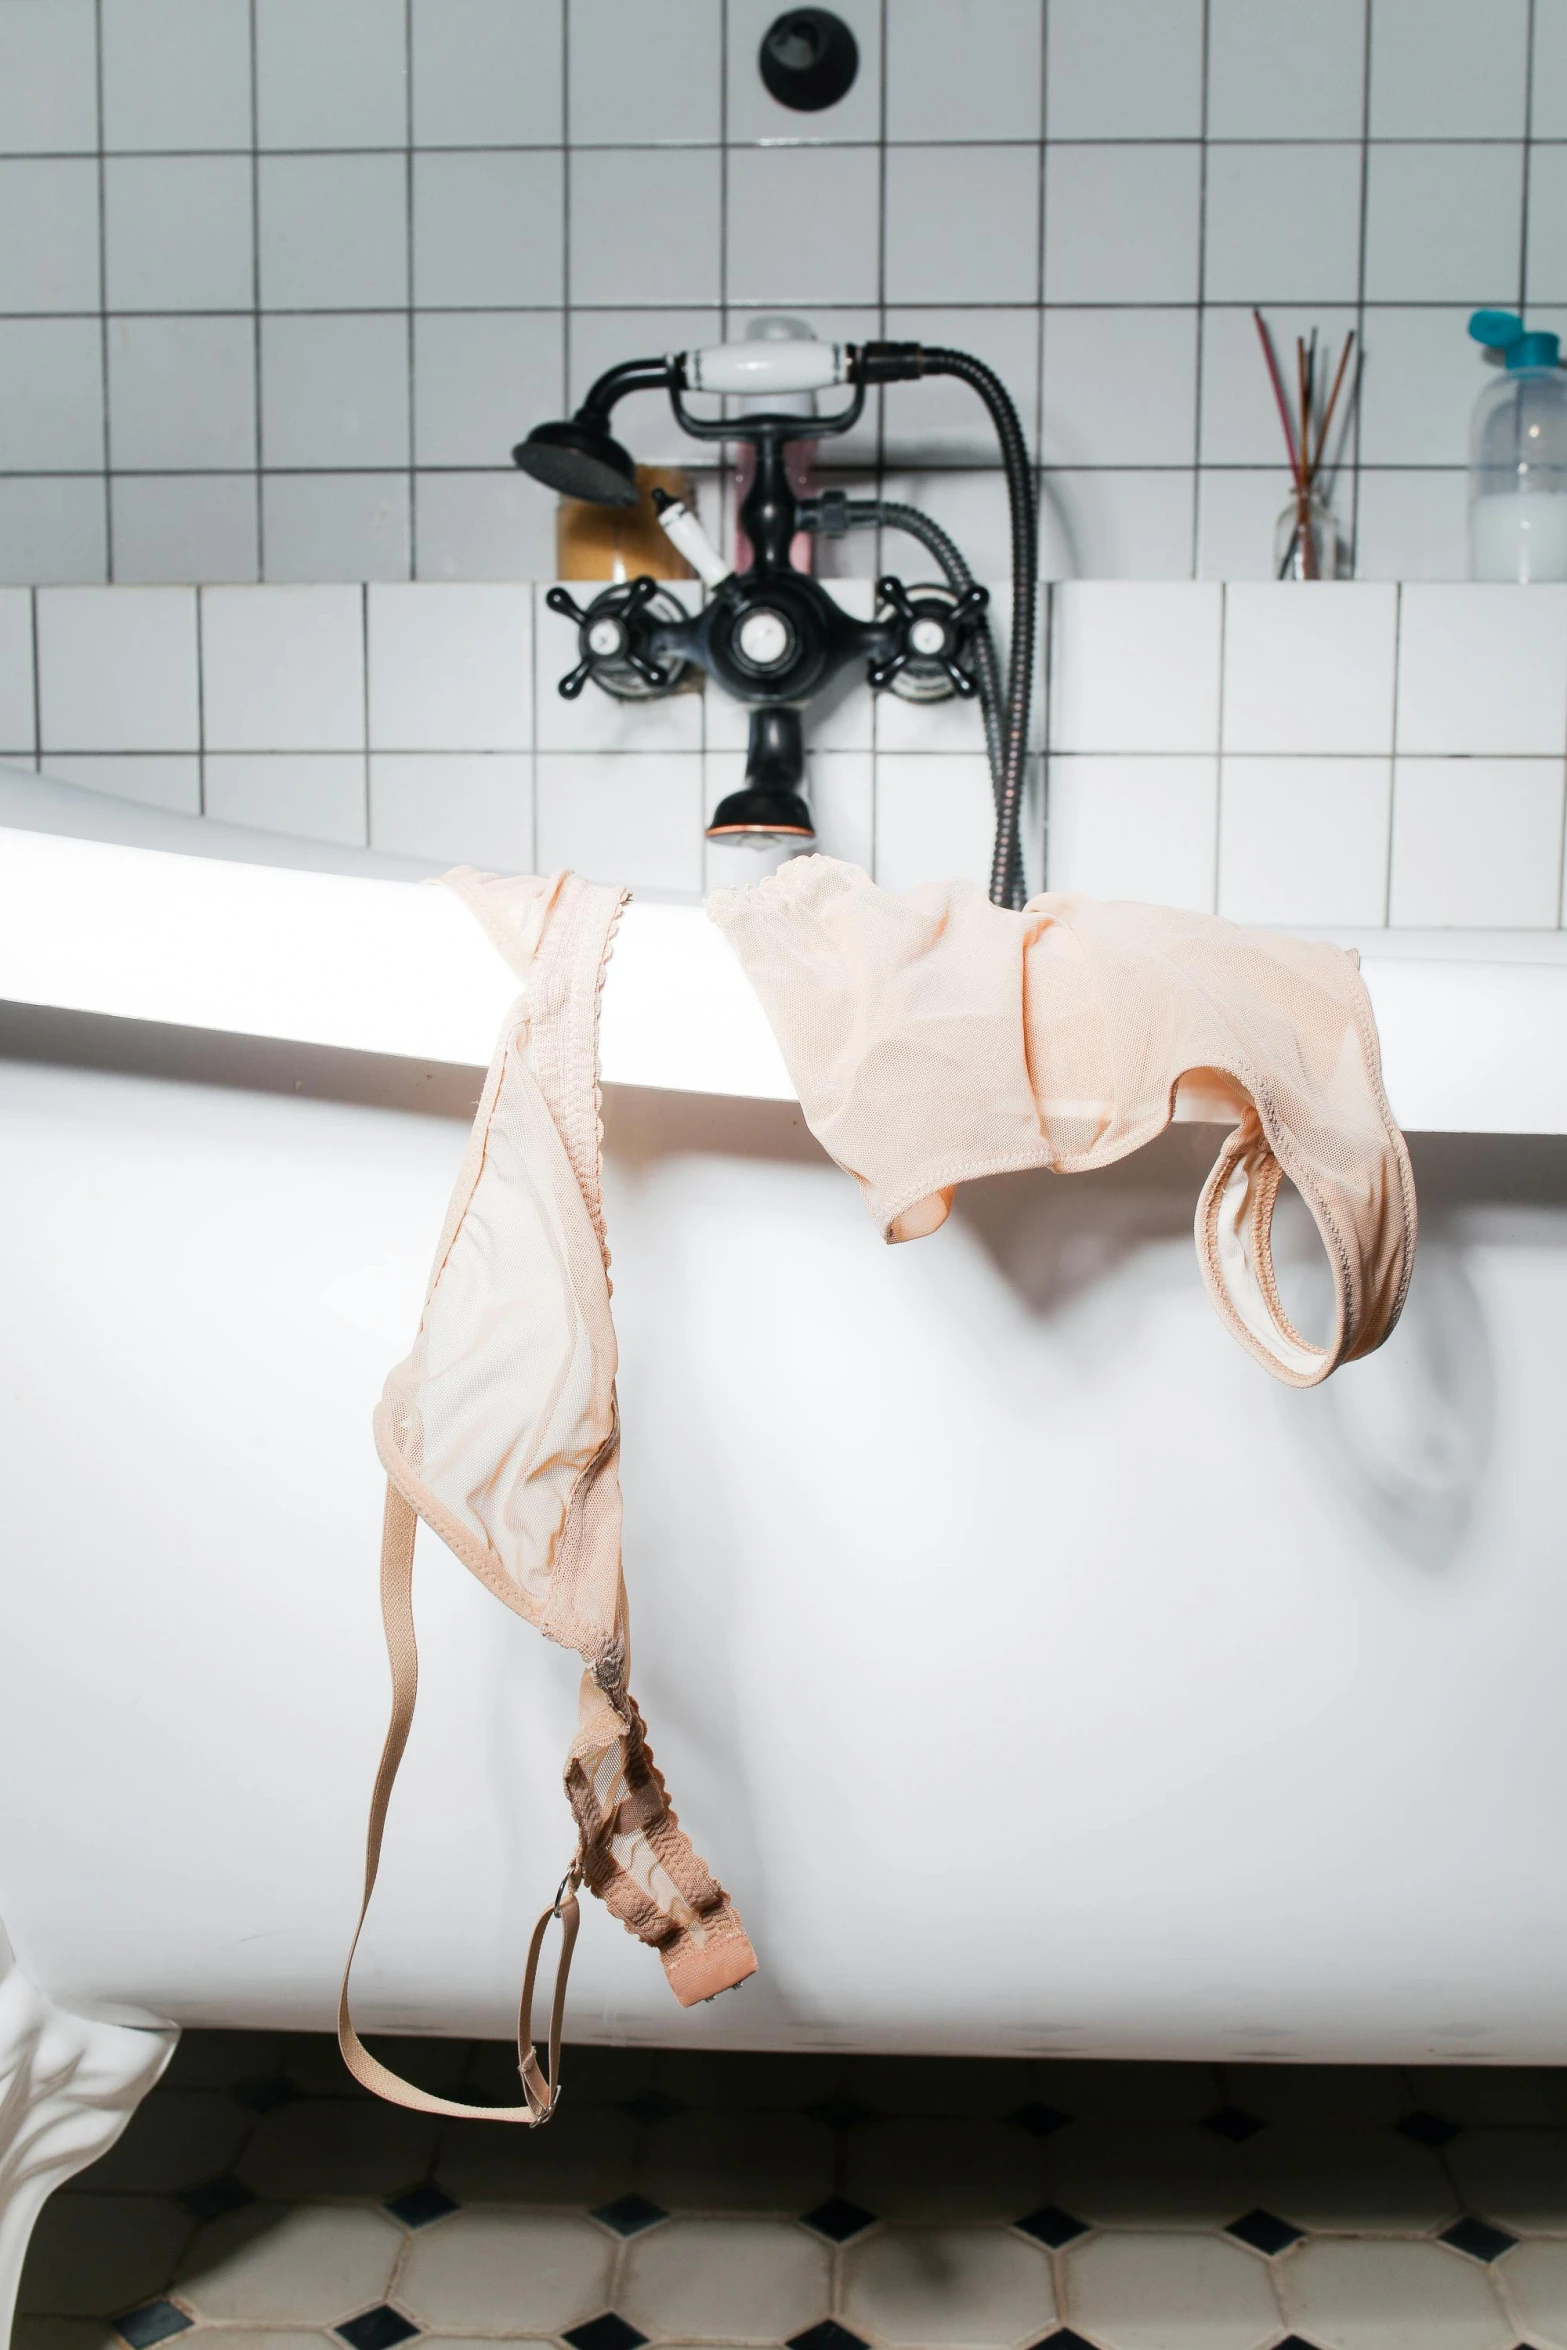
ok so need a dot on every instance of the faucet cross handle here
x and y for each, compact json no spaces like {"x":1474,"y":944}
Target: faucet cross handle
{"x":611,"y":640}
{"x":933,"y":627}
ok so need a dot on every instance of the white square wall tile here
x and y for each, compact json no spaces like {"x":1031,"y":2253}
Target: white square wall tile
{"x":597,"y":721}
{"x":1477,"y":844}
{"x":1124,"y":69}
{"x":283,"y":668}
{"x":177,"y":232}
{"x":331,"y":73}
{"x":1120,"y":387}
{"x":1138,"y":829}
{"x":802,"y":224}
{"x":987,"y":85}
{"x":1283,"y":223}
{"x":173,"y":528}
{"x":1237,"y":518}
{"x":151,"y":779}
{"x":481,"y":380}
{"x":176,"y":73}
{"x":1317,"y":95}
{"x":48,"y":79}
{"x":1444,"y":69}
{"x":1309,"y":668}
{"x":339,"y":526}
{"x":334,"y":391}
{"x":52,"y":413}
{"x":182,"y":393}
{"x":624,"y":204}
{"x":332,"y":232}
{"x":1547,"y":281}
{"x":1104,"y":524}
{"x":1135,"y":666}
{"x":487,"y":230}
{"x":1442,"y":222}
{"x":18,"y":719}
{"x":1411,"y":525}
{"x":935,"y":820}
{"x":962,"y":224}
{"x":451,"y":668}
{"x":645,"y":75}
{"x":940,"y":420}
{"x":635,"y":819}
{"x":1483,"y":670}
{"x":1548,"y":78}
{"x":1304,"y":840}
{"x":487,"y":73}
{"x":52,"y":530}
{"x":482,"y":526}
{"x":1122,"y":222}
{"x":1419,"y":383}
{"x":49,"y":234}
{"x":117,"y":669}
{"x":454,"y":809}
{"x":315,"y":796}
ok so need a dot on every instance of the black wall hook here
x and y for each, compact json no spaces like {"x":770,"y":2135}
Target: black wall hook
{"x":809,"y":59}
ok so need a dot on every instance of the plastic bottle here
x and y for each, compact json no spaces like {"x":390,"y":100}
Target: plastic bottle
{"x":1518,"y":456}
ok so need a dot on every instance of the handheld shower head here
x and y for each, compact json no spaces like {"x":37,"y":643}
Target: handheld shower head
{"x":577,"y":458}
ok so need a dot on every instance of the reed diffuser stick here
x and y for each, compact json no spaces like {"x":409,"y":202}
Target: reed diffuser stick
{"x":1306,"y":431}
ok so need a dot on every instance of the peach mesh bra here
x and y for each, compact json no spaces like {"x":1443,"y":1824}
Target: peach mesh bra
{"x":933,"y":1037}
{"x":499,"y":1429}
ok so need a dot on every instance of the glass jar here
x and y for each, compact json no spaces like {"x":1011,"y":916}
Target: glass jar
{"x":1305,"y":539}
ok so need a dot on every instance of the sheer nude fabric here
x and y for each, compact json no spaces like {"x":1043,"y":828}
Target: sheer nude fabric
{"x":499,"y":1429}
{"x":934,"y":1037}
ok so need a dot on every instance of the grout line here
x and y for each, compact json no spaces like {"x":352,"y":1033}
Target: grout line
{"x":198,"y":595}
{"x":1199,"y":353}
{"x":255,"y":296}
{"x":408,"y":267}
{"x":567,"y":289}
{"x":1218,"y":753}
{"x":103,"y":297}
{"x":1351,"y":442}
{"x":1528,"y":154}
{"x":38,"y":697}
{"x":533,"y":726}
{"x":364,"y":697}
{"x":1392,"y":769}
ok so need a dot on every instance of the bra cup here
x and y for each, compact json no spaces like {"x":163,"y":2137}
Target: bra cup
{"x":506,"y":1399}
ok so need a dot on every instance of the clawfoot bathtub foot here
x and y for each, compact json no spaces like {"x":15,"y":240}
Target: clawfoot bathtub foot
{"x":67,"y":2089}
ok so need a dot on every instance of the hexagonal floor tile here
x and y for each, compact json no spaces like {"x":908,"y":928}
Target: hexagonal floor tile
{"x":946,"y":2171}
{"x":1532,"y":2282}
{"x":1390,"y":2296}
{"x":1170,"y":2292}
{"x":941,"y":2287}
{"x":93,"y":2254}
{"x":530,"y":2272}
{"x":736,"y":2280}
{"x":308,"y":2267}
{"x":337,"y":2146}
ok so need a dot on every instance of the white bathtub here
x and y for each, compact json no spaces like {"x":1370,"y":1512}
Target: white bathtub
{"x":1037,"y":1673}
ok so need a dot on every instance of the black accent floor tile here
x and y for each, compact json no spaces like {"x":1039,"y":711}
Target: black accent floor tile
{"x":212,"y":2198}
{"x":1264,"y":2231}
{"x":838,"y":2219}
{"x":1296,"y":2342}
{"x":838,"y":2112}
{"x":1053,"y":2226}
{"x":829,"y":2335}
{"x":651,"y":2105}
{"x":628,"y":2215}
{"x":267,"y":2094}
{"x":1063,"y":2339}
{"x":1479,"y":2239}
{"x":1233,"y":2122}
{"x":376,"y":2329}
{"x":608,"y":2332}
{"x":1428,"y":2129}
{"x":1040,"y":2121}
{"x":417,"y":2206}
{"x":155,"y":2321}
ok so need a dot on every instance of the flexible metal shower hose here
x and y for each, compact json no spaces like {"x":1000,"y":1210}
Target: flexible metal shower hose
{"x":892,"y":514}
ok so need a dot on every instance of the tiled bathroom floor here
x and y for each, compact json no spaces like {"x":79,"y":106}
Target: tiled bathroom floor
{"x":259,"y":2199}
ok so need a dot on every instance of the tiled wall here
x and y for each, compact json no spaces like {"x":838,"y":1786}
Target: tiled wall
{"x":1351,"y":755}
{"x":282,"y":280}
